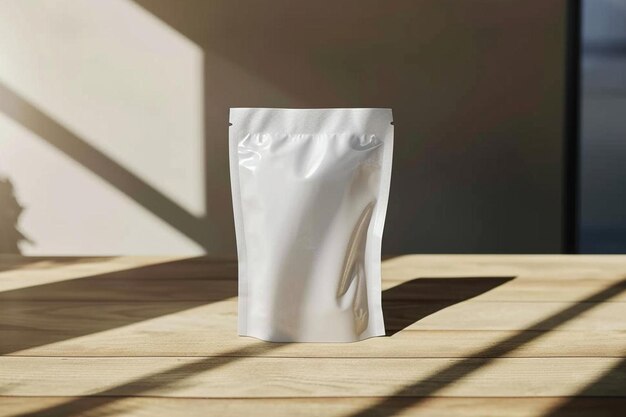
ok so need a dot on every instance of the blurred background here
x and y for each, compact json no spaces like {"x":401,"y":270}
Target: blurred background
{"x":114,"y":115}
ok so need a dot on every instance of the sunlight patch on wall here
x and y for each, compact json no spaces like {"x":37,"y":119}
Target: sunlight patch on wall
{"x":126,"y":84}
{"x":68,"y":210}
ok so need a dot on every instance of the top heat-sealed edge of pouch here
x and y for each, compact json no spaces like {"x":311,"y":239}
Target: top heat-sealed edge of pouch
{"x":373,"y":121}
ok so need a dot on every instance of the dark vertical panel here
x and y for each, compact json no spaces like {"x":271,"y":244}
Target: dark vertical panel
{"x":571,"y":130}
{"x":602,"y":219}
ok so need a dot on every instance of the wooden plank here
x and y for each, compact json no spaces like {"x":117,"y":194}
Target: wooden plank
{"x":492,"y":289}
{"x":87,"y":317}
{"x":166,"y":328}
{"x":102,"y":289}
{"x":134,"y":341}
{"x":457,"y":278}
{"x":14,"y":276}
{"x":564,"y":266}
{"x":296,"y":407}
{"x":237,"y":377}
{"x":401,"y":268}
{"x":111,"y":287}
{"x":472,"y":315}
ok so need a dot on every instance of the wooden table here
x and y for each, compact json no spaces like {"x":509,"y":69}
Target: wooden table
{"x":469,"y":335}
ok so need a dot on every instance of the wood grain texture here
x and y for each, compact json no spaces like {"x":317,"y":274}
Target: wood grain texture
{"x":219,"y":377}
{"x":150,"y":340}
{"x":469,"y":335}
{"x":306,"y":407}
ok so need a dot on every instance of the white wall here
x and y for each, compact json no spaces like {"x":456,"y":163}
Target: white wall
{"x":100,"y":86}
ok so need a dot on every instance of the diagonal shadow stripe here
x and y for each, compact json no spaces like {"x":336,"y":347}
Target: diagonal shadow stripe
{"x":418,"y":392}
{"x":44,"y":126}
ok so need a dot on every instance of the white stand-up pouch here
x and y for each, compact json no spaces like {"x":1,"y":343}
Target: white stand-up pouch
{"x":310,"y":190}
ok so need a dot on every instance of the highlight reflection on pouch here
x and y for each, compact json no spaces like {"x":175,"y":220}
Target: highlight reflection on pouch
{"x":354,"y":271}
{"x":364,"y":142}
{"x":248,"y":156}
{"x":356,"y":248}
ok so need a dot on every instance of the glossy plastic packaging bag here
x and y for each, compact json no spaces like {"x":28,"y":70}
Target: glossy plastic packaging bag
{"x":310,"y":190}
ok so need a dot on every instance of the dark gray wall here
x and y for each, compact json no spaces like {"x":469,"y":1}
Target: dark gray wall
{"x":476,"y":89}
